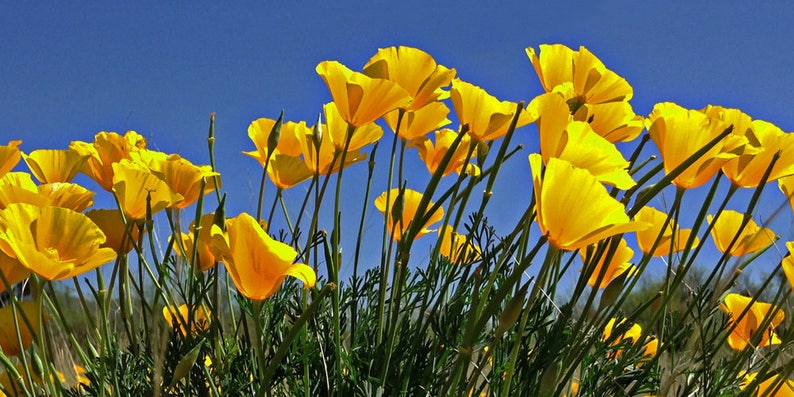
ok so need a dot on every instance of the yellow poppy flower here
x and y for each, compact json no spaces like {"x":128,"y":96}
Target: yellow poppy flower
{"x":287,"y":171}
{"x":646,"y":238}
{"x":618,"y":264}
{"x":200,"y":319}
{"x":257,"y":263}
{"x":556,"y":64}
{"x":336,"y":128}
{"x":133,"y":183}
{"x":633,"y":334}
{"x":487,"y":117}
{"x":416,"y":123}
{"x":455,"y":247}
{"x":259,"y":133}
{"x":771,"y":387}
{"x":8,"y":331}
{"x":414,"y":70}
{"x":766,"y":140}
{"x":50,"y":166}
{"x":432,"y":154}
{"x":577,"y":143}
{"x":112,"y":225}
{"x":67,"y":195}
{"x":747,"y":326}
{"x":206,"y":258}
{"x":573,"y":209}
{"x":185,"y":179}
{"x":359,"y":98}
{"x":12,"y":270}
{"x":57,"y":243}
{"x":615,"y":121}
{"x":410,"y":203}
{"x":678,"y":133}
{"x":320,"y":160}
{"x":752,"y":238}
{"x":18,"y":187}
{"x":107,"y":148}
{"x":9,"y":156}
{"x":788,"y":263}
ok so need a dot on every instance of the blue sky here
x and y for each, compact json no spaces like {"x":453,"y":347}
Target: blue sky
{"x":71,"y":69}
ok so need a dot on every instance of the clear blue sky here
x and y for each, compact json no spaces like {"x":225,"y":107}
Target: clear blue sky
{"x":71,"y":69}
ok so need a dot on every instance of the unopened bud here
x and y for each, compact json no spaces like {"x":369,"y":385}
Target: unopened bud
{"x":512,"y":310}
{"x":317,"y":132}
{"x":275,"y":133}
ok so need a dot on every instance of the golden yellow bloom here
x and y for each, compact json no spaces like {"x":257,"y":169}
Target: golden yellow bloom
{"x":67,"y":195}
{"x":432,"y":154}
{"x":320,"y":161}
{"x":618,"y":264}
{"x":746,"y":327}
{"x":410,"y":203}
{"x":573,"y":209}
{"x":259,"y":133}
{"x":656,"y":218}
{"x":336,"y":129}
{"x":9,"y":156}
{"x":287,"y":171}
{"x":18,"y":187}
{"x":487,"y":117}
{"x":615,"y":121}
{"x":751,"y":239}
{"x":577,"y":143}
{"x":205,"y":257}
{"x":8,"y":331}
{"x":50,"y":166}
{"x":133,"y":183}
{"x":416,"y":123}
{"x":414,"y":70}
{"x":765,"y":140}
{"x":678,"y":133}
{"x":556,"y":64}
{"x":57,"y":243}
{"x":455,"y":247}
{"x":185,"y":179}
{"x":633,"y":334}
{"x":107,"y":148}
{"x":788,"y":263}
{"x":770,"y":387}
{"x":12,"y":270}
{"x":257,"y":263}
{"x":112,"y":225}
{"x":178,"y":317}
{"x":360,"y":98}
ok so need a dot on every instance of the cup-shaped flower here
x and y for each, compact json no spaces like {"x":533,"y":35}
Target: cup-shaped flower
{"x":204,"y":256}
{"x":360,"y":98}
{"x":772,"y":386}
{"x":678,"y":133}
{"x":615,"y":121}
{"x":107,"y":149}
{"x":414,"y":70}
{"x":135,"y":185}
{"x":487,"y":117}
{"x":49,"y":166}
{"x":257,"y":263}
{"x":432,"y":154}
{"x":617,"y":265}
{"x":573,"y":209}
{"x":186,"y":179}
{"x":673,"y":239}
{"x":12,"y":270}
{"x":54,"y":242}
{"x":18,"y":187}
{"x":326,"y":158}
{"x":456,"y":248}
{"x":416,"y":123}
{"x":67,"y":195}
{"x":751,"y":239}
{"x":184,"y":319}
{"x":9,"y":156}
{"x":287,"y":171}
{"x":112,"y":225}
{"x":259,"y":133}
{"x":556,"y":64}
{"x":747,"y":327}
{"x":337,"y":130}
{"x":632,"y":334}
{"x":767,"y":140}
{"x":410,"y":204}
{"x":9,"y":328}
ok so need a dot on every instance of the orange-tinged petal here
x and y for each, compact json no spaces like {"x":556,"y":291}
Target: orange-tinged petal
{"x":751,"y":239}
{"x":186,"y":179}
{"x":9,"y":156}
{"x":414,"y":70}
{"x":487,"y":117}
{"x":573,"y":209}
{"x":49,"y":166}
{"x":646,"y":238}
{"x":205,"y":257}
{"x":416,"y":123}
{"x":108,"y":148}
{"x":361,"y":99}
{"x":133,"y":184}
{"x":12,"y":270}
{"x":67,"y":195}
{"x":745,"y":328}
{"x":8,"y":328}
{"x":112,"y":225}
{"x":287,"y":171}
{"x":337,"y":130}
{"x":411,"y":199}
